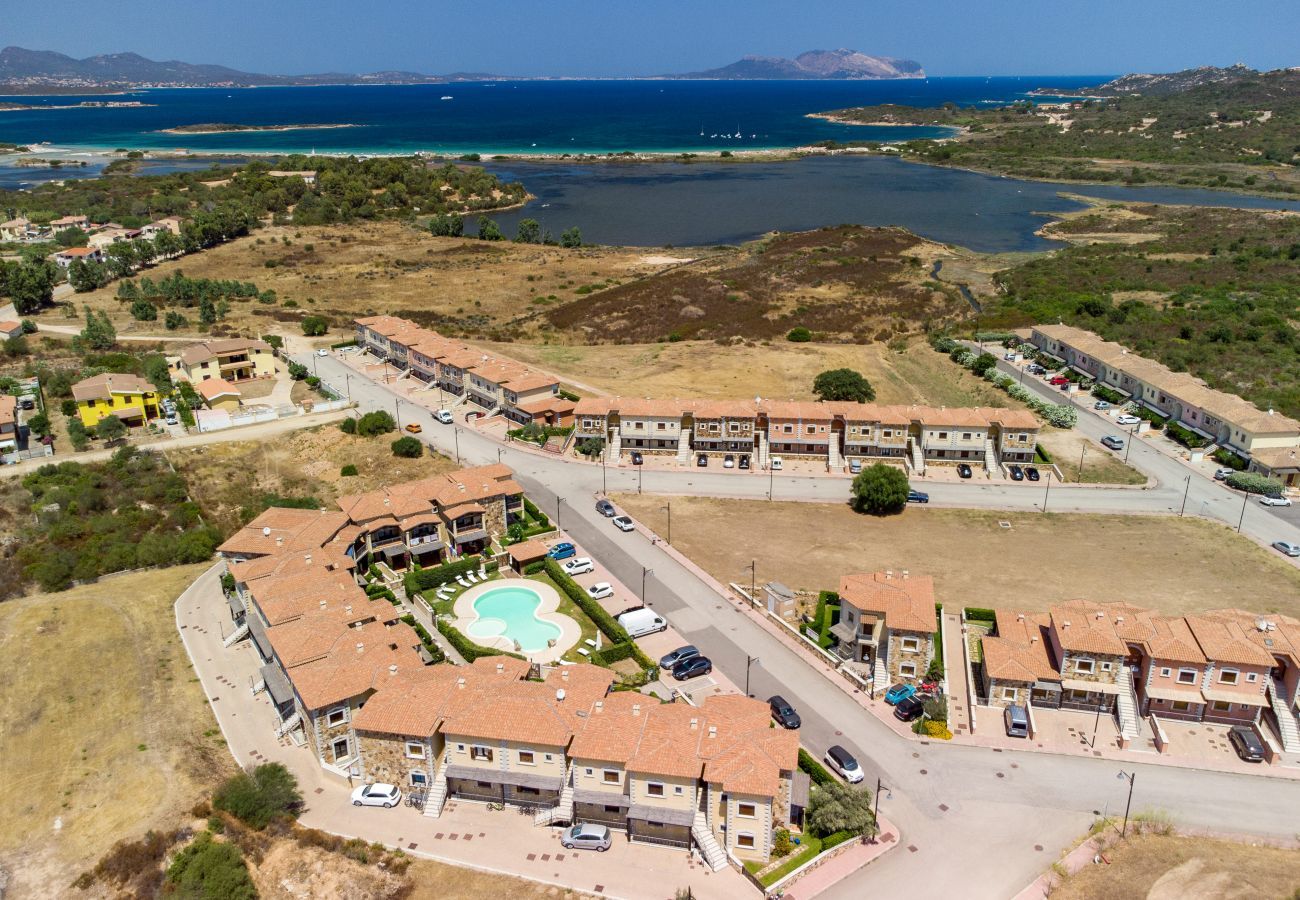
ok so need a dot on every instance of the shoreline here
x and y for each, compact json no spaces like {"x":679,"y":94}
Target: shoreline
{"x":184,"y":130}
{"x":957,"y":130}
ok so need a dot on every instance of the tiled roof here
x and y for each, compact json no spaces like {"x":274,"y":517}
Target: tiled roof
{"x":281,"y":529}
{"x":1225,"y":640}
{"x":102,"y":387}
{"x":8,"y":408}
{"x":907,"y":602}
{"x":377,"y":653}
{"x":1084,"y":627}
{"x":1020,"y":650}
{"x":413,"y":704}
{"x":212,"y":388}
{"x":197,"y":353}
{"x":529,"y":712}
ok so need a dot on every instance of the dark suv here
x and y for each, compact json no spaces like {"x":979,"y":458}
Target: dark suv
{"x":909,"y":710}
{"x":1247,"y":744}
{"x":783,"y":712}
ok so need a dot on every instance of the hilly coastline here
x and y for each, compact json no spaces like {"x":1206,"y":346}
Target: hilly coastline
{"x":829,"y":65}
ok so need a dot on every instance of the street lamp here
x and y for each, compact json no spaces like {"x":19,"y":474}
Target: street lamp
{"x":1082,"y":452}
{"x":1129,"y":444}
{"x":347,"y":384}
{"x":397,"y":408}
{"x":1047,"y":488}
{"x":669,"y":507}
{"x":1130,"y":777}
{"x":749,"y":661}
{"x":558,"y":500}
{"x":1186,"y":489}
{"x":771,"y":479}
{"x":1245,"y":496}
{"x":604,"y":484}
{"x":753,"y":578}
{"x":875,"y":813}
{"x":644,"y":573}
{"x":455,"y":432}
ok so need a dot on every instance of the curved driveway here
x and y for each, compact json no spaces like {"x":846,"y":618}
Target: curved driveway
{"x":976,"y":822}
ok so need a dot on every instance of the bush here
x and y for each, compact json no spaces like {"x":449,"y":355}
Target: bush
{"x":210,"y":870}
{"x":984,"y":363}
{"x":1255,"y":483}
{"x":979,"y":614}
{"x":1228,"y":458}
{"x":799,"y":335}
{"x":836,"y":806}
{"x":348,"y":471}
{"x":297,"y":371}
{"x":269,"y":792}
{"x":425,"y":579}
{"x":435,"y":652}
{"x":834,"y":840}
{"x":1185,"y":436}
{"x":315,"y":326}
{"x":813,"y":769}
{"x":843,"y":384}
{"x":348,"y":426}
{"x":469,"y":650}
{"x":408,"y":448}
{"x":943,"y":344}
{"x":936,"y":708}
{"x":782,"y":845}
{"x":880,"y":489}
{"x":373,"y":423}
{"x":1101,"y":392}
{"x":603,"y":620}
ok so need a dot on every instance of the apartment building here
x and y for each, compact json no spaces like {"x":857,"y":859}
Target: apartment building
{"x":8,"y":423}
{"x":129,"y":397}
{"x":493,"y":384}
{"x":234,"y":359}
{"x":1225,"y":419}
{"x":888,"y":622}
{"x":65,"y":258}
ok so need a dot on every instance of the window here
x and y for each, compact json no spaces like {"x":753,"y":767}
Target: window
{"x":418,"y":778}
{"x":613,"y":809}
{"x":733,"y":427}
{"x":654,"y":789}
{"x":1105,"y":667}
{"x":414,"y":750}
{"x":911,"y":644}
{"x":1228,"y":676}
{"x":1222,"y":705}
{"x":549,"y":757}
{"x":1181,"y":706}
{"x":1085,"y":666}
{"x":478,"y":751}
{"x":747,"y":810}
{"x":588,"y":772}
{"x":1185,"y":676}
{"x":1008,"y":693}
{"x":887,"y":433}
{"x":965,"y":436}
{"x":340,"y":749}
{"x":610,"y":776}
{"x":1164,"y":673}
{"x":460,"y":748}
{"x":744,"y":839}
{"x":526,"y":758}
{"x":907,"y":670}
{"x":788,"y":429}
{"x":1251,"y":676}
{"x":678,"y":790}
{"x":337,"y":717}
{"x":943,"y":435}
{"x":661,"y":425}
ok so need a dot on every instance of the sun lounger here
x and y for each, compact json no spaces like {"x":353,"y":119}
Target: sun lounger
{"x":460,"y":580}
{"x":590,"y":643}
{"x":583,"y":651}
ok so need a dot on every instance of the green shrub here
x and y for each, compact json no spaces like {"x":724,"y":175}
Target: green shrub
{"x":834,"y":840}
{"x":435,"y":652}
{"x":348,"y":426}
{"x":1101,"y":392}
{"x":799,"y":335}
{"x":608,"y":655}
{"x":979,"y":614}
{"x":1043,"y":455}
{"x":1185,"y":436}
{"x":534,"y":567}
{"x":813,"y":769}
{"x":465,"y":647}
{"x":373,"y":423}
{"x":880,"y":489}
{"x":408,"y":447}
{"x":424,"y":579}
{"x":1255,"y":483}
{"x":349,"y":470}
{"x":1228,"y":458}
{"x":603,"y":620}
{"x":210,"y":870}
{"x":257,"y":798}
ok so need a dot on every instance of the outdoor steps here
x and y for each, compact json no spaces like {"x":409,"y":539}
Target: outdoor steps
{"x":437,"y":793}
{"x":235,"y":636}
{"x":288,"y":725}
{"x":713,"y":854}
{"x":763,"y":453}
{"x":990,"y":457}
{"x":918,"y":458}
{"x":1126,"y":705}
{"x":1288,"y":727}
{"x":563,"y":810}
{"x":684,"y":447}
{"x":614,"y":448}
{"x":834,"y":459}
{"x":879,"y":674}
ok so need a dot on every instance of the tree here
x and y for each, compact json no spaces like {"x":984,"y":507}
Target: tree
{"x":315,"y":326}
{"x":257,"y":798}
{"x":31,"y":285}
{"x":110,"y":428}
{"x":880,"y":489}
{"x":99,"y":333}
{"x":87,"y":276}
{"x":530,"y":232}
{"x":408,"y":448}
{"x":348,"y":426}
{"x":157,"y":371}
{"x":843,"y":384}
{"x":274,"y":340}
{"x":449,"y":225}
{"x":297,"y":371}
{"x":983,"y":363}
{"x":571,"y":238}
{"x":17,"y":346}
{"x":39,"y":424}
{"x":799,"y":335}
{"x":489,"y":230}
{"x":144,"y":311}
{"x":71,"y":237}
{"x":373,"y":423}
{"x":175,"y":320}
{"x":210,"y":870}
{"x":207,"y":311}
{"x":77,"y":434}
{"x":836,"y":806}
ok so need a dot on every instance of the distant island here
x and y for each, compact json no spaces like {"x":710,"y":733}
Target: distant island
{"x":827,"y":65}
{"x":226,"y":127}
{"x":85,"y":104}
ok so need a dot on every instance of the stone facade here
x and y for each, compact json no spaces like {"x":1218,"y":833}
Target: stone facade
{"x":905,"y":662}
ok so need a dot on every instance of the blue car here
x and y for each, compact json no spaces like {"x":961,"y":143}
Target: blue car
{"x":562,"y":551}
{"x":899,"y":692}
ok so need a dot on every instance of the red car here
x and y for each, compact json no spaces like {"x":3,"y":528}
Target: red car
{"x":1059,"y":380}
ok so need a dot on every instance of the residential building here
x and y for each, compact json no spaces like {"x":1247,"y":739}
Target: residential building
{"x":10,"y":329}
{"x":217,"y":393}
{"x":1225,"y":419}
{"x":234,"y":359}
{"x":63,"y":222}
{"x":167,"y":223}
{"x":66,"y":258}
{"x":8,"y":423}
{"x":18,"y":229}
{"x":889,"y":623}
{"x":307,"y":175}
{"x":110,"y":235}
{"x":129,"y":397}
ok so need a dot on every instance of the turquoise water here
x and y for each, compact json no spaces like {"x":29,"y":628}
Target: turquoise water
{"x":512,"y":612}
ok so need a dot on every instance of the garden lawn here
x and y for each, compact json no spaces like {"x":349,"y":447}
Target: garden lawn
{"x":810,"y":847}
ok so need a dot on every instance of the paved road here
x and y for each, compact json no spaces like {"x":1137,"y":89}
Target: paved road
{"x":977,"y":817}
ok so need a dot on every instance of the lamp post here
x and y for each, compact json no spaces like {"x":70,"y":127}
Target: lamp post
{"x":749,"y":661}
{"x":1131,"y":777}
{"x":1186,"y":489}
{"x":456,"y":434}
{"x":604,"y":484}
{"x":771,"y":479}
{"x":669,"y":507}
{"x":1128,"y":445}
{"x":558,"y":501}
{"x":1047,"y":489}
{"x":1083,"y":452}
{"x":347,"y":384}
{"x":499,"y":452}
{"x":644,"y":573}
{"x":640,"y":475}
{"x":875,"y":812}
{"x":753,"y":578}
{"x":1245,"y":496}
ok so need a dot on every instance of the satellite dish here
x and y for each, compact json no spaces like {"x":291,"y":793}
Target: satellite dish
{"x":266,"y":531}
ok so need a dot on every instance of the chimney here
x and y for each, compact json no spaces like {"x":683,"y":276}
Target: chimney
{"x":713,"y":731}
{"x":1100,"y":615}
{"x":360,"y":647}
{"x":695,"y":723}
{"x":279,"y":541}
{"x":348,"y":608}
{"x":559,"y":696}
{"x":1034,"y":639}
{"x":636,"y":709}
{"x":564,"y":674}
{"x":322,"y":604}
{"x":889,"y":573}
{"x":1119,"y":620}
{"x":307,"y":559}
{"x":905,"y":574}
{"x":501,"y":667}
{"x":1020,"y":617}
{"x":1065,"y":624}
{"x":392,"y":670}
{"x":600,"y":706}
{"x":460,"y":683}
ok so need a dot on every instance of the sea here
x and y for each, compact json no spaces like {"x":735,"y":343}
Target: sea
{"x":655,"y":204}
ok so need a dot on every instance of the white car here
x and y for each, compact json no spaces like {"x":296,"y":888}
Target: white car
{"x":322,"y":352}
{"x":844,"y":764}
{"x":385,"y":795}
{"x":600,"y":590}
{"x":1127,"y":419}
{"x":624,"y":523}
{"x":443,"y":416}
{"x":579,"y":565}
{"x":1275,"y":501}
{"x":776,"y":463}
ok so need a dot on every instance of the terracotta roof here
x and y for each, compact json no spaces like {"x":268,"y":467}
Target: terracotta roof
{"x":359,"y":660}
{"x":280,"y":529}
{"x":9,"y":325}
{"x":414,"y":703}
{"x":1173,"y":640}
{"x":197,"y":353}
{"x":102,"y":387}
{"x":212,"y":388}
{"x":1224,"y":640}
{"x":1277,"y":458}
{"x":8,"y":408}
{"x":1021,"y":649}
{"x":527,"y":551}
{"x":547,"y":404}
{"x":906,"y":602}
{"x":529,"y":712}
{"x":1084,"y":627}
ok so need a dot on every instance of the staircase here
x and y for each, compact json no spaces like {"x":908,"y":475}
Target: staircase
{"x":990,"y":457}
{"x":1126,"y":705}
{"x":562,"y":811}
{"x":917,"y":456}
{"x":684,"y":447}
{"x":1287,"y":726}
{"x":236,"y":636}
{"x":437,"y":792}
{"x":763,"y":453}
{"x":834,"y":458}
{"x":879,"y":674}
{"x":713,"y":854}
{"x":614,"y":448}
{"x":288,"y":724}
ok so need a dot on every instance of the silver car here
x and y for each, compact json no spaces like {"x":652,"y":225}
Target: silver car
{"x":586,"y":837}
{"x":1287,"y":548}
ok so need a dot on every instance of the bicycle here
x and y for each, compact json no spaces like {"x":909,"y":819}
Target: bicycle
{"x":496,"y":807}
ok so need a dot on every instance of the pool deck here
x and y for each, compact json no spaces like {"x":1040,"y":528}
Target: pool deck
{"x":466,"y":616}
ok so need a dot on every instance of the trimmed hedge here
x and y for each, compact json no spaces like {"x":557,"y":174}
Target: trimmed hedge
{"x":534,"y":567}
{"x":425,"y":638}
{"x":1185,"y":436}
{"x":1255,"y":483}
{"x":1043,"y":455}
{"x":814,"y":770}
{"x":1226,"y":457}
{"x":1101,"y":392}
{"x":465,"y":647}
{"x":979,"y":614}
{"x":423,"y":579}
{"x":602,"y":620}
{"x":834,"y":840}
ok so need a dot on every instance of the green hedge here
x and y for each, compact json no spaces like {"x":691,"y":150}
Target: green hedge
{"x":534,"y":567}
{"x":342,"y":344}
{"x":424,"y":579}
{"x":569,"y":395}
{"x":467,"y":648}
{"x":834,"y":840}
{"x":1143,"y":412}
{"x":1101,"y":392}
{"x":979,"y":614}
{"x":1229,"y":459}
{"x":602,"y":620}
{"x":1185,"y":436}
{"x":1043,"y":455}
{"x":1254,"y":483}
{"x":434,"y":650}
{"x":814,"y":770}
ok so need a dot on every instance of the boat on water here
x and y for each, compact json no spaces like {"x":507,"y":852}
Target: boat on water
{"x":446,"y":97}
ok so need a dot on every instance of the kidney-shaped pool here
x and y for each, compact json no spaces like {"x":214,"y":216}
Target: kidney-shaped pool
{"x":511,"y":612}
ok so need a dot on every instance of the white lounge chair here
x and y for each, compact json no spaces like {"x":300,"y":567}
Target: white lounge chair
{"x":583,"y":651}
{"x":590,"y":643}
{"x":460,"y":580}
{"x":482,"y":572}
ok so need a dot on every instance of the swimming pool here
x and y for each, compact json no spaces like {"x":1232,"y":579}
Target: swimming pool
{"x":511,"y":612}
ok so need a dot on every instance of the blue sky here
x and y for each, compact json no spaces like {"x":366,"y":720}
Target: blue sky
{"x":644,"y":37}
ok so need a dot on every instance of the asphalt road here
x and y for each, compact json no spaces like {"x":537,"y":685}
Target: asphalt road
{"x":983,"y":823}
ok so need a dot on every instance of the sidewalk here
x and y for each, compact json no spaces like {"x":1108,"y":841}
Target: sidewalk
{"x":841,"y":866}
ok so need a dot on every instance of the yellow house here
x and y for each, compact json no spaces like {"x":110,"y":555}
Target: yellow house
{"x":218,"y":393}
{"x":234,"y":359}
{"x":129,"y":397}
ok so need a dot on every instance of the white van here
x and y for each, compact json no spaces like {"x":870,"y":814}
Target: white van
{"x":637,"y":622}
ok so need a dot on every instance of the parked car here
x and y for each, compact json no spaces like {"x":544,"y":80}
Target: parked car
{"x":1031,"y":473}
{"x":964,"y":470}
{"x":1127,"y":419}
{"x":624,"y":523}
{"x":443,"y":416}
{"x":1015,"y":719}
{"x":586,"y":837}
{"x":1101,"y":404}
{"x":844,"y":764}
{"x":1017,"y":473}
{"x":414,"y":428}
{"x":681,"y":654}
{"x":322,"y":352}
{"x":1247,"y":744}
{"x":855,"y":466}
{"x":783,"y":713}
{"x":728,"y":462}
{"x":600,"y":590}
{"x":379,"y":794}
{"x":579,"y":565}
{"x":744,"y":461}
{"x":1058,"y":380}
{"x":909,"y":709}
{"x":692,"y":668}
{"x":562,"y":551}
{"x":1275,"y":501}
{"x":1287,"y":548}
{"x":1009,"y":357}
{"x":172,"y":419}
{"x":702,"y":460}
{"x":899,"y":692}
{"x":1222,"y":474}
{"x":918,"y":497}
{"x":1035,"y":369}
{"x":637,"y":458}
{"x":776,"y":463}
{"x":1113,"y":442}
{"x":29,"y":403}
{"x":640,"y":621}
{"x":606,"y":509}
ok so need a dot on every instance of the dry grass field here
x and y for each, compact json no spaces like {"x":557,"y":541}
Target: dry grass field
{"x":1040,"y":559}
{"x":103,"y":728}
{"x":1172,"y":867}
{"x":1100,"y":466}
{"x":226,"y":477}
